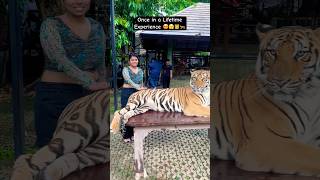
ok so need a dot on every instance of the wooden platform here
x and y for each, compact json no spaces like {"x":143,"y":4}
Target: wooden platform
{"x":226,"y":170}
{"x":99,"y":172}
{"x":145,"y":123}
{"x":152,"y":118}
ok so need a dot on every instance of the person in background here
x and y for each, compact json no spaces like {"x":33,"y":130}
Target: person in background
{"x":133,"y":81}
{"x":166,"y":74}
{"x":74,"y":47}
{"x":154,"y":67}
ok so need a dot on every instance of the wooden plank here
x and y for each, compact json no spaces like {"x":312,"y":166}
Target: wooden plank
{"x":98,"y":172}
{"x":153,"y":118}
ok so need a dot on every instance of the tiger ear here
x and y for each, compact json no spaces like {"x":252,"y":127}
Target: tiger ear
{"x":262,"y":29}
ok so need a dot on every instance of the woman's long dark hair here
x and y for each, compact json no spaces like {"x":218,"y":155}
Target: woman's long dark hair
{"x":133,"y":55}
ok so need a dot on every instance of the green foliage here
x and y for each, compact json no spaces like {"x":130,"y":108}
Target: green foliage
{"x":171,"y":7}
{"x":6,"y":154}
{"x":127,"y":11}
{"x":122,"y":27}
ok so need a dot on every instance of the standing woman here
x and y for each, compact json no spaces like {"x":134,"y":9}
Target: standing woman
{"x":74,"y":48}
{"x":166,"y":74}
{"x":133,"y":81}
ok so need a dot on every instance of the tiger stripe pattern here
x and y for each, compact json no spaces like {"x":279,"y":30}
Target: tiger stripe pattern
{"x":81,"y":139}
{"x":270,"y":120}
{"x":192,"y":101}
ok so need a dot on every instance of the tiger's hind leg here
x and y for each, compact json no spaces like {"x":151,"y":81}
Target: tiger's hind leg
{"x":124,"y":114}
{"x":27,"y":165}
{"x":220,"y":147}
{"x":280,"y":155}
{"x":47,"y":154}
{"x":94,"y":154}
{"x":202,"y":111}
{"x":134,"y":112}
{"x":118,"y":117}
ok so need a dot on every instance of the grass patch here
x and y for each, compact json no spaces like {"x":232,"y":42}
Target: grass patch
{"x":6,"y":154}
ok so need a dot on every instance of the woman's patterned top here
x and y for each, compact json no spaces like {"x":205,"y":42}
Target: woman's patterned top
{"x":134,"y":79}
{"x":67,"y":52}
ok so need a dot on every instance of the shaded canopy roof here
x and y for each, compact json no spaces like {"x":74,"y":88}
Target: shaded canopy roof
{"x":196,"y":37}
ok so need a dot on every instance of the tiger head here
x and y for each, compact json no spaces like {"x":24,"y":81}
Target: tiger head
{"x":200,"y":81}
{"x":288,"y":60}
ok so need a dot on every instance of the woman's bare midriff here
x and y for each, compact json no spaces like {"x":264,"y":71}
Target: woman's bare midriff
{"x":127,"y":86}
{"x":61,"y":77}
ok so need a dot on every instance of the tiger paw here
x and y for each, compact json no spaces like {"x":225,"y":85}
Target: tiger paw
{"x":22,"y":170}
{"x":115,"y":124}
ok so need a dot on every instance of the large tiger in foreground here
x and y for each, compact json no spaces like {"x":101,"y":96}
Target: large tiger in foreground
{"x":270,"y":121}
{"x":192,"y":101}
{"x":81,"y":139}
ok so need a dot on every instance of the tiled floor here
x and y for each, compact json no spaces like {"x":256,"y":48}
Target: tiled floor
{"x":168,"y":155}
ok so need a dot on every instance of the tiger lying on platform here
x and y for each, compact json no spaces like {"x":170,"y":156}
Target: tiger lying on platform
{"x":81,"y":139}
{"x":192,"y":101}
{"x":270,"y":121}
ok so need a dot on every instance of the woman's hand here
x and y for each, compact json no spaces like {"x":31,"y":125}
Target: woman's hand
{"x":93,"y":74}
{"x":98,"y":86}
{"x":142,"y":88}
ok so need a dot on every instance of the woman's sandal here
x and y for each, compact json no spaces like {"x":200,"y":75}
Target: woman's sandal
{"x":129,"y":140}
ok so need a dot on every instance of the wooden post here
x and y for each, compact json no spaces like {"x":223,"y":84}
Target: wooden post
{"x":17,"y":81}
{"x":170,"y":52}
{"x":114,"y":62}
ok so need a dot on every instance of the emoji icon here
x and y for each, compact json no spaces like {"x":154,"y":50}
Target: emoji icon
{"x":176,"y":26}
{"x":171,"y":26}
{"x":165,"y":26}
